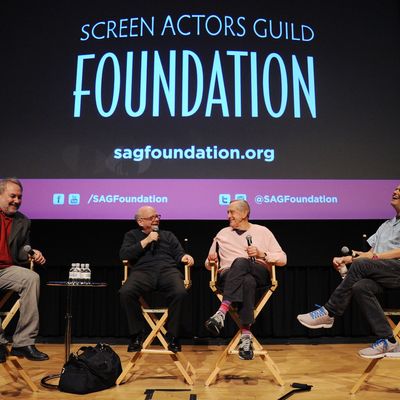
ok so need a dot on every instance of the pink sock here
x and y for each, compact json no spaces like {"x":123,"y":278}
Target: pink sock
{"x":245,"y":330}
{"x":224,"y":307}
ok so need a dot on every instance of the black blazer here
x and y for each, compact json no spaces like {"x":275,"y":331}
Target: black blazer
{"x":19,"y":237}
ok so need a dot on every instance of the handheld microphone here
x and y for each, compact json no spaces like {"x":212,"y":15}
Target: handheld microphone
{"x":249,"y":243}
{"x":153,"y":244}
{"x":347,"y":252}
{"x":28,"y":250}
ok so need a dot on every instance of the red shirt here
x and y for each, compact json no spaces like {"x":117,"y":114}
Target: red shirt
{"x":5,"y":230}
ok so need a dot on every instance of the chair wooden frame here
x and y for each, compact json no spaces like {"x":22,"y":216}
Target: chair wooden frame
{"x":13,"y":310}
{"x":13,"y":361}
{"x":231,"y":347}
{"x":372,"y":364}
{"x":156,"y":318}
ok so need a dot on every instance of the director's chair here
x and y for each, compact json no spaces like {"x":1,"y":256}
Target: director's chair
{"x":156,"y":318}
{"x":231,"y":347}
{"x":390,"y":313}
{"x":12,"y":362}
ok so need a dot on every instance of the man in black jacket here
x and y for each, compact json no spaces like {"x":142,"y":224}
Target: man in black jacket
{"x":14,"y":235}
{"x":153,"y":256}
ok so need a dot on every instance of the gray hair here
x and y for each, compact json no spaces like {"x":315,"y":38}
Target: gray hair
{"x":243,"y":206}
{"x":4,"y":181}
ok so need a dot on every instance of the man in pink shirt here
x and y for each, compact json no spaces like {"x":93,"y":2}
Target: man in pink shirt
{"x":245,"y":253}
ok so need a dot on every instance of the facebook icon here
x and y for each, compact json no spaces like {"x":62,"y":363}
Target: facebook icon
{"x":58,"y":199}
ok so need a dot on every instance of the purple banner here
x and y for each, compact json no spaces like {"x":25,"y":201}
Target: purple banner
{"x":206,"y":199}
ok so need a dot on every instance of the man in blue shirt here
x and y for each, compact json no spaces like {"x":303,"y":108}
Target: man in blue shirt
{"x":369,"y":274}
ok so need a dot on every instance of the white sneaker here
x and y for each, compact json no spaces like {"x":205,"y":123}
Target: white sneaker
{"x":395,"y":352}
{"x":316,"y":319}
{"x":381,"y":348}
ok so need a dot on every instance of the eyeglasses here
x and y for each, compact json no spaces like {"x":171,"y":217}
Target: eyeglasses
{"x":152,"y":217}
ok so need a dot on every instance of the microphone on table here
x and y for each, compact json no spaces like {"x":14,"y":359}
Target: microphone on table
{"x":249,"y":243}
{"x":153,"y":244}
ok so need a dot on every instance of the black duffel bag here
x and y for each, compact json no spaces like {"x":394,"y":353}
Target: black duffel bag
{"x":90,"y":369}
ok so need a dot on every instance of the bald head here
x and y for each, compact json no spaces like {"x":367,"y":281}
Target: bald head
{"x":145,"y":212}
{"x":147,"y":218}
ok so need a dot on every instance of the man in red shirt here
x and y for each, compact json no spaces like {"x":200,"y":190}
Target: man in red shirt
{"x":14,"y":236}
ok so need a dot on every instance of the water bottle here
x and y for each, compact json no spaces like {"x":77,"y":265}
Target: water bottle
{"x":86,"y":273}
{"x":89,"y":272}
{"x":78,"y":273}
{"x":71,"y":275}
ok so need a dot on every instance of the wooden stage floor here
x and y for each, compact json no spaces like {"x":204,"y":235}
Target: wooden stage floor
{"x":332,"y":369}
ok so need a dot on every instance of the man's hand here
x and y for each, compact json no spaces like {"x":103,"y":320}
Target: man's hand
{"x":38,"y":257}
{"x":187,"y":259}
{"x":151,"y":237}
{"x":213,"y":257}
{"x":338,"y":262}
{"x":252,"y":251}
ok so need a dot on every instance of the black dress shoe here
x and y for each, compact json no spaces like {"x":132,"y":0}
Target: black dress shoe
{"x":174,"y":344}
{"x":3,"y":353}
{"x":136,"y":342}
{"x":29,"y":352}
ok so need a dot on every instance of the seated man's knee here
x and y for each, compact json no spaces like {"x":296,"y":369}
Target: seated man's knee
{"x":127,"y":292}
{"x":178,"y":293}
{"x":363,"y":287}
{"x":240,"y":262}
{"x":31,"y":278}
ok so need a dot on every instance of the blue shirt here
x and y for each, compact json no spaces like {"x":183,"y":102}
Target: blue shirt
{"x":387,"y":237}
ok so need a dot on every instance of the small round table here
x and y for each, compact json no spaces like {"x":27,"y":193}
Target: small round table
{"x":68,"y":316}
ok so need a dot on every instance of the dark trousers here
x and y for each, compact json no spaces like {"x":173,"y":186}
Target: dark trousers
{"x":367,"y":278}
{"x":169,"y":281}
{"x":239,"y":284}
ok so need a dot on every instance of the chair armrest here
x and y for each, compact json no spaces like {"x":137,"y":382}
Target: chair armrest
{"x":214,"y":275}
{"x":272,"y":274}
{"x":125,"y":263}
{"x":187,"y":281}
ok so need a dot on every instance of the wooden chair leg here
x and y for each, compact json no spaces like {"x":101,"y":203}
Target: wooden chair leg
{"x":10,"y":314}
{"x":272,"y":367}
{"x":20,"y":370}
{"x":218,"y":366}
{"x":258,"y":349}
{"x":158,"y":330}
{"x":365,"y":375}
{"x":368,"y":371}
{"x":128,"y":367}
